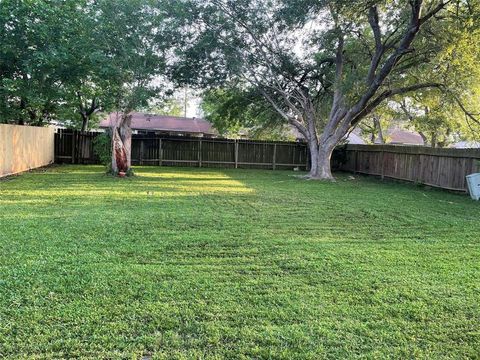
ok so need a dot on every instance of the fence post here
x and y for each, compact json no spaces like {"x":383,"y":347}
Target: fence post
{"x":356,"y":162}
{"x":274,"y":165}
{"x":236,"y":153}
{"x":200,"y":153}
{"x":160,"y":152}
{"x":81,"y":148}
{"x":293,"y":153}
{"x":141,"y":151}
{"x":73,"y":146}
{"x":383,"y":165}
{"x":418,"y":167}
{"x":439,"y":170}
{"x":307,"y":159}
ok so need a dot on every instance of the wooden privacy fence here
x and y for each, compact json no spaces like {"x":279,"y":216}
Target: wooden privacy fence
{"x":24,"y":147}
{"x":76,"y":147}
{"x":443,"y":168}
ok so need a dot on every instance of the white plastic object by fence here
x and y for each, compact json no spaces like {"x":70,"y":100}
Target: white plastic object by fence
{"x":473,"y":182}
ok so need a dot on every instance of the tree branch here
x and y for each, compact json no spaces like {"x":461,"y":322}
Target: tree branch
{"x":434,"y":11}
{"x":389,"y":93}
{"x":291,"y":120}
{"x":337,"y":85}
{"x":363,"y":107}
{"x":470,"y":115}
{"x":379,"y":49}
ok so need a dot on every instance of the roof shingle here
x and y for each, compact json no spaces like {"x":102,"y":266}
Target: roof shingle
{"x":152,"y":122}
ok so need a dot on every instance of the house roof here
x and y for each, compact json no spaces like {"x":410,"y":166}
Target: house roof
{"x":466,"y":145}
{"x":353,"y":138}
{"x":152,"y":122}
{"x":398,"y":136}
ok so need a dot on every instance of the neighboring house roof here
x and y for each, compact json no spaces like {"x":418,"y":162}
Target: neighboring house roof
{"x":466,"y":145}
{"x":152,"y":122}
{"x":399,"y":136}
{"x":355,"y":139}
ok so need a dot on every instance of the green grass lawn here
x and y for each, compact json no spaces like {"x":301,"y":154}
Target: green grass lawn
{"x":195,"y":263}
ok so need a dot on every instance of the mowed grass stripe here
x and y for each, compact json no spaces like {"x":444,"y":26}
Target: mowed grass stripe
{"x":195,"y":263}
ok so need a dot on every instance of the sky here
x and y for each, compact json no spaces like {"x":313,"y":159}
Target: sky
{"x":193,"y":102}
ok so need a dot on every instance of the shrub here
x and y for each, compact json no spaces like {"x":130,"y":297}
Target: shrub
{"x":102,"y":147}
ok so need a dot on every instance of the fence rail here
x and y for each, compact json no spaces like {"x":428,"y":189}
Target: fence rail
{"x":77,"y":147}
{"x":443,"y":168}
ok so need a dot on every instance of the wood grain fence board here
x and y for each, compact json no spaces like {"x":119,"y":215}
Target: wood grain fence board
{"x":25,"y":147}
{"x":444,"y":168}
{"x":183,"y":151}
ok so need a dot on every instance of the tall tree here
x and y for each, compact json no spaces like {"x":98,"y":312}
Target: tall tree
{"x":136,"y":40}
{"x":324,"y":65}
{"x":31,"y":63}
{"x":69,"y":59}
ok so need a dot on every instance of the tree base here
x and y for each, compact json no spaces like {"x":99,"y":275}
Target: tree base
{"x":121,"y":174}
{"x":316,"y":177}
{"x":320,"y":178}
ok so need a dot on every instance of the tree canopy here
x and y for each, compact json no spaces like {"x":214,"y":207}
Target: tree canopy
{"x":324,"y":66}
{"x":69,"y":59}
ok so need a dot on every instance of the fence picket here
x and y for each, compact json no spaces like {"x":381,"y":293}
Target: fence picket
{"x":430,"y":166}
{"x":445,"y":168}
{"x":184,"y":151}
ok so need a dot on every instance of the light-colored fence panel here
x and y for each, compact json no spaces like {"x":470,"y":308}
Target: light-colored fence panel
{"x":24,"y":148}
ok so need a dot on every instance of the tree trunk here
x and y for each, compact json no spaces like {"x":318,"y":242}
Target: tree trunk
{"x":313,"y":148}
{"x":424,"y":138}
{"x":86,"y":112}
{"x":121,"y":145}
{"x":320,"y":156}
{"x":433,"y":143}
{"x":76,"y":150}
{"x":324,"y":168}
{"x":378,"y":127}
{"x":77,"y":146}
{"x":84,"y":122}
